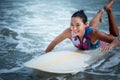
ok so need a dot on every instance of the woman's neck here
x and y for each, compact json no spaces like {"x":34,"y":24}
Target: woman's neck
{"x":81,"y":35}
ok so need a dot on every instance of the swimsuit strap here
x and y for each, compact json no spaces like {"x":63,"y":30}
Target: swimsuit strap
{"x":88,"y":31}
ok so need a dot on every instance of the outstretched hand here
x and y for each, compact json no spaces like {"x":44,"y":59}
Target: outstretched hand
{"x":106,"y":48}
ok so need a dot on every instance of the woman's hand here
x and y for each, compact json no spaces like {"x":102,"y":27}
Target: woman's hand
{"x":106,"y":48}
{"x":110,"y":46}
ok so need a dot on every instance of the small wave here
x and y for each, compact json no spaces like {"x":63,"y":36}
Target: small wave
{"x":6,"y":32}
{"x":108,"y":65}
{"x":103,"y":73}
{"x":10,"y":70}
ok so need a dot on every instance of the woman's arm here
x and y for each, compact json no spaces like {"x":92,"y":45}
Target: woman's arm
{"x":65,"y":34}
{"x":113,"y":42}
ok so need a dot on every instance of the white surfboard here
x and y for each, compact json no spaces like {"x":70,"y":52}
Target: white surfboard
{"x":65,"y":61}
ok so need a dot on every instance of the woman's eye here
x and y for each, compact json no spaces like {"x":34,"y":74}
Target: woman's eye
{"x":71,"y":24}
{"x":78,"y":25}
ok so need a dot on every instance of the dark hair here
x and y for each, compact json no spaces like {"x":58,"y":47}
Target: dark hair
{"x":81,"y":14}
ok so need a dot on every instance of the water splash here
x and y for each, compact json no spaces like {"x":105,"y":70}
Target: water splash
{"x":10,"y":70}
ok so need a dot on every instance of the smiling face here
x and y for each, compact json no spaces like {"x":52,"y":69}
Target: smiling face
{"x":77,"y":26}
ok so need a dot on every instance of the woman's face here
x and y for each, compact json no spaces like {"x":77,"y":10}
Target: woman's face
{"x":77,"y":25}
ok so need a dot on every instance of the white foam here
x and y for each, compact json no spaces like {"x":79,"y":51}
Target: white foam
{"x":10,"y":70}
{"x":44,"y":23}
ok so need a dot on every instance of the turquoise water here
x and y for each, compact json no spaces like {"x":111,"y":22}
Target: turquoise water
{"x":28,"y":26}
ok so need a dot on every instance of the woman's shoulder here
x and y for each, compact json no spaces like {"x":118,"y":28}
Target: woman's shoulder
{"x":88,"y":30}
{"x":68,"y":30}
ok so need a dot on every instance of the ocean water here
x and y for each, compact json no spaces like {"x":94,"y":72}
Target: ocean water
{"x":28,"y":26}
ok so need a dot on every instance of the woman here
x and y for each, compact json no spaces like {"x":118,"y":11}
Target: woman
{"x":88,"y":37}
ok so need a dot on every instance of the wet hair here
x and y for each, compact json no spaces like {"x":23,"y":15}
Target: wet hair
{"x":80,"y":14}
